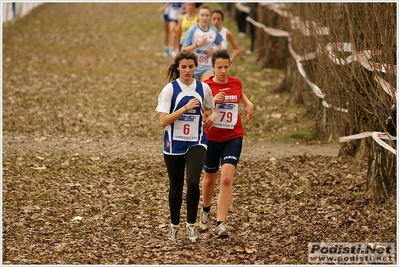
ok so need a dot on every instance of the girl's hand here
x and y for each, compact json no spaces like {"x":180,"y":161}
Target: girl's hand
{"x":203,"y":41}
{"x":249,"y":110}
{"x":210,"y":52}
{"x":209,"y":118}
{"x":193,"y":103}
{"x":219,"y":97}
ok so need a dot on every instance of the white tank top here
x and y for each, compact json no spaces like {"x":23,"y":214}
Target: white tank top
{"x":223,"y":33}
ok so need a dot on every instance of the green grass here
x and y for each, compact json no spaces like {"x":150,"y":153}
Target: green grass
{"x":300,"y":136}
{"x":357,"y":193}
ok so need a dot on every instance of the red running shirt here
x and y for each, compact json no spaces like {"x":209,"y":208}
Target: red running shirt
{"x":228,"y":125}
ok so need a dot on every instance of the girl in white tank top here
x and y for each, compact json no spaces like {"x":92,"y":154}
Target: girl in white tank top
{"x":217,"y":19}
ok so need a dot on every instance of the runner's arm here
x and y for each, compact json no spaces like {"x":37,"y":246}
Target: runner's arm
{"x":249,"y":107}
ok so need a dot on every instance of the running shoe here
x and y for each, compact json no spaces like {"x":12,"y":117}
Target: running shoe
{"x":173,"y":54}
{"x":192,"y":233}
{"x":174,"y":229}
{"x":165,"y":52}
{"x":221,"y":231}
{"x":204,"y":218}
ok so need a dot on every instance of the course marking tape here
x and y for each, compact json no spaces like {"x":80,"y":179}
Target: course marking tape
{"x":377,"y":136}
{"x":362,"y":57}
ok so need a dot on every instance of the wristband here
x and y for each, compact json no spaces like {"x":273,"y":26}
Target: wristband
{"x":185,"y":108}
{"x":196,"y":45}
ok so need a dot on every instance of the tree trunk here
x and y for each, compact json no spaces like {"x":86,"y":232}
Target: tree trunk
{"x":341,"y":66}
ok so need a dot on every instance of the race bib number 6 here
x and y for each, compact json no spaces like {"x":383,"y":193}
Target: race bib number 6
{"x":186,"y":128}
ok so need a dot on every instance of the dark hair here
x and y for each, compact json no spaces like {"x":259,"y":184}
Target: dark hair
{"x":173,"y":73}
{"x":222,"y":53}
{"x":218,"y":11}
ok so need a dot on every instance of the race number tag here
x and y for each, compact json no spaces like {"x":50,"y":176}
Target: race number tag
{"x":203,"y":58}
{"x":227,"y":115}
{"x":186,"y":128}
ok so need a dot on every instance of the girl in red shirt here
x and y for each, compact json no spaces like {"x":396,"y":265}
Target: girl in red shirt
{"x":224,"y":141}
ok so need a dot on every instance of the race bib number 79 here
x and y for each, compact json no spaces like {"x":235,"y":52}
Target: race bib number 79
{"x":227,"y":115}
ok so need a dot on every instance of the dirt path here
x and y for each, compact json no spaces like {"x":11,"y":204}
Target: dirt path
{"x":142,"y":147}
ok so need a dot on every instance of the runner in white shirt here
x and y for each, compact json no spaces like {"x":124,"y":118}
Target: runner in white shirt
{"x":217,"y":19}
{"x":200,"y":39}
{"x":174,"y":12}
{"x":185,"y":108}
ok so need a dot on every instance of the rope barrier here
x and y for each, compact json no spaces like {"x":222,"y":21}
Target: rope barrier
{"x":362,"y":57}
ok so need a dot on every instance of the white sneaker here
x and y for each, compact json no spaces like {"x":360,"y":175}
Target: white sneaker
{"x":174,"y":229}
{"x":221,"y":231}
{"x":192,"y":234}
{"x":173,"y":54}
{"x":204,"y":218}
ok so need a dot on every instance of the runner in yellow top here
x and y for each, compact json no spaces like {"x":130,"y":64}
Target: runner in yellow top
{"x":189,"y":19}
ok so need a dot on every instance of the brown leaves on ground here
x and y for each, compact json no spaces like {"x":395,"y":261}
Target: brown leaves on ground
{"x":279,"y":206}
